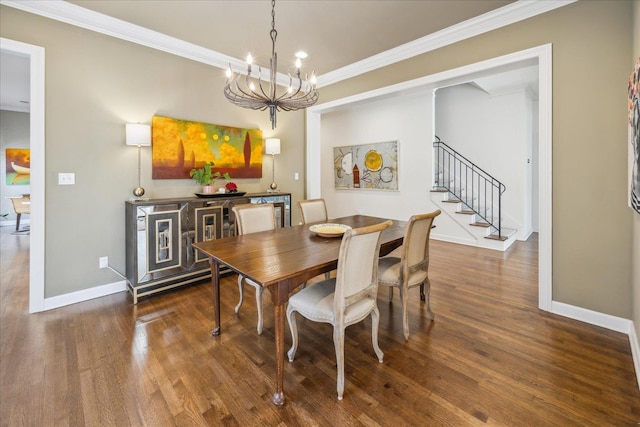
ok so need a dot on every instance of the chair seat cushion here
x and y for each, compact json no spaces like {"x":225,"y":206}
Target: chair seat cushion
{"x":315,"y":302}
{"x":389,"y":273}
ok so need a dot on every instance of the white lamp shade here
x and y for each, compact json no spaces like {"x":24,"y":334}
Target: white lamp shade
{"x":272,"y":146}
{"x":138,"y":134}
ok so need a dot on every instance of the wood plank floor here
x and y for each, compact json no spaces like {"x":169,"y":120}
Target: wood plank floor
{"x":489,"y":358}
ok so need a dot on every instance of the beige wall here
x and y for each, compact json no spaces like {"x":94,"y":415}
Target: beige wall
{"x":592,"y":224}
{"x":94,"y":84}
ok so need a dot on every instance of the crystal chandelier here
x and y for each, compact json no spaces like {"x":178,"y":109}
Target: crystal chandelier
{"x":250,"y":93}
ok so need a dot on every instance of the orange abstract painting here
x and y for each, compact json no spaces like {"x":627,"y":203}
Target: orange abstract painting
{"x":180,"y":145}
{"x":18,"y":166}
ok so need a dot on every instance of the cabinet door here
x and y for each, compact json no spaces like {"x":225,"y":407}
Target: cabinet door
{"x":281,"y":203}
{"x":209,"y":223}
{"x":164,"y":249}
{"x":279,"y":208}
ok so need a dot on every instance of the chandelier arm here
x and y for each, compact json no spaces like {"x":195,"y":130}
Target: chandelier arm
{"x":288,"y":95}
{"x":250,"y":93}
{"x":264,"y":93}
{"x":245,"y":103}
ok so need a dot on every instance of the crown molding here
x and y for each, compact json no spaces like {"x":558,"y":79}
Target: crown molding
{"x":72,"y":14}
{"x":507,"y":15}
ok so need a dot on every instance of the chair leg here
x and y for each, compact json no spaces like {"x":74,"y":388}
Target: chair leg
{"x":375,"y":322}
{"x":259,"y":305}
{"x":338,"y":342}
{"x":404,"y":297}
{"x":390,"y":293}
{"x":18,"y":221}
{"x":291,"y":318}
{"x":427,"y":298}
{"x":241,"y":288}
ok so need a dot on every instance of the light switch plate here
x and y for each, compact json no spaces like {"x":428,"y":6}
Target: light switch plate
{"x":66,"y":178}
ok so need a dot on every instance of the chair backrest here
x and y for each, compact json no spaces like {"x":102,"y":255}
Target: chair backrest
{"x":21,"y":205}
{"x":416,"y":241}
{"x":252,"y":218}
{"x":357,"y":273}
{"x":312,"y":210}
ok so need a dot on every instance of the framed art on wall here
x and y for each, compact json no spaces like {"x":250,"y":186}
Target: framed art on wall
{"x":368,"y":166}
{"x":634,"y":138}
{"x":18,"y":166}
{"x":181,"y":145}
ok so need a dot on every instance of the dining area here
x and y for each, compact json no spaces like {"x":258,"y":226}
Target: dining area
{"x":488,"y":356}
{"x":361,"y":251}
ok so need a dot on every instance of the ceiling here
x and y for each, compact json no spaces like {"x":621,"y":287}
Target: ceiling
{"x":334,"y":33}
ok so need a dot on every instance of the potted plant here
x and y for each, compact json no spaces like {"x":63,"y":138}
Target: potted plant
{"x":206,"y":177}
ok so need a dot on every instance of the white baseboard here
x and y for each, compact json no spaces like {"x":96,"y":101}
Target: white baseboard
{"x":84,"y":295}
{"x":607,"y":321}
{"x":614,"y":323}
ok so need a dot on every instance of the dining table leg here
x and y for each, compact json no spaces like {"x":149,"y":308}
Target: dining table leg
{"x":215,"y":281}
{"x":279,"y":318}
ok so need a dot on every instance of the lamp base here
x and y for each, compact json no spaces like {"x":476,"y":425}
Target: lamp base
{"x":138,"y":192}
{"x":273,"y":188}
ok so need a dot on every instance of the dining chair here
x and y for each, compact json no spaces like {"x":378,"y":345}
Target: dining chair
{"x":312,"y":210}
{"x":408,"y":266}
{"x":252,"y":218}
{"x":346,"y":299}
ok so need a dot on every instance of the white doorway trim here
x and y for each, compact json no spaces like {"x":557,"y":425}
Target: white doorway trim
{"x":36,"y":136}
{"x":543,"y":55}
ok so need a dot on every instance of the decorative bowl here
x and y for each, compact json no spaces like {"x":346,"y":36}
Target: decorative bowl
{"x":329,"y":229}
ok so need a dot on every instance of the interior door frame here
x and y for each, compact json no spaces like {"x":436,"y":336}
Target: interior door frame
{"x":543,"y":55}
{"x":37,"y":146}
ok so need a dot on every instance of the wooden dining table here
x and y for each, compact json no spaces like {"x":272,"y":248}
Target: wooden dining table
{"x":281,"y":260}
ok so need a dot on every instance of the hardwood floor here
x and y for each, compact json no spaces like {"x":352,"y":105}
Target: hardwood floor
{"x":490,"y":357}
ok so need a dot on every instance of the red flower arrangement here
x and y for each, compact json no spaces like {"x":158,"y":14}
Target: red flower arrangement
{"x":231,"y":187}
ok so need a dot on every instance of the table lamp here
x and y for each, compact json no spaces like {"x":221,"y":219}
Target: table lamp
{"x":272,"y":146}
{"x":140,"y":135}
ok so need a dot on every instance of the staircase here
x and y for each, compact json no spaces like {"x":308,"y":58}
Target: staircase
{"x":470,"y":196}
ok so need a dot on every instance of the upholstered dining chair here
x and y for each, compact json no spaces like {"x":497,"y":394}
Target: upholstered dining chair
{"x":312,"y":210}
{"x":252,"y":218}
{"x":346,"y":299}
{"x":408,"y":266}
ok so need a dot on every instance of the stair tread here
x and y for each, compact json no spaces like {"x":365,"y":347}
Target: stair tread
{"x":506,"y":234}
{"x":480,"y":224}
{"x":465,"y":212}
{"x":496,"y":237}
